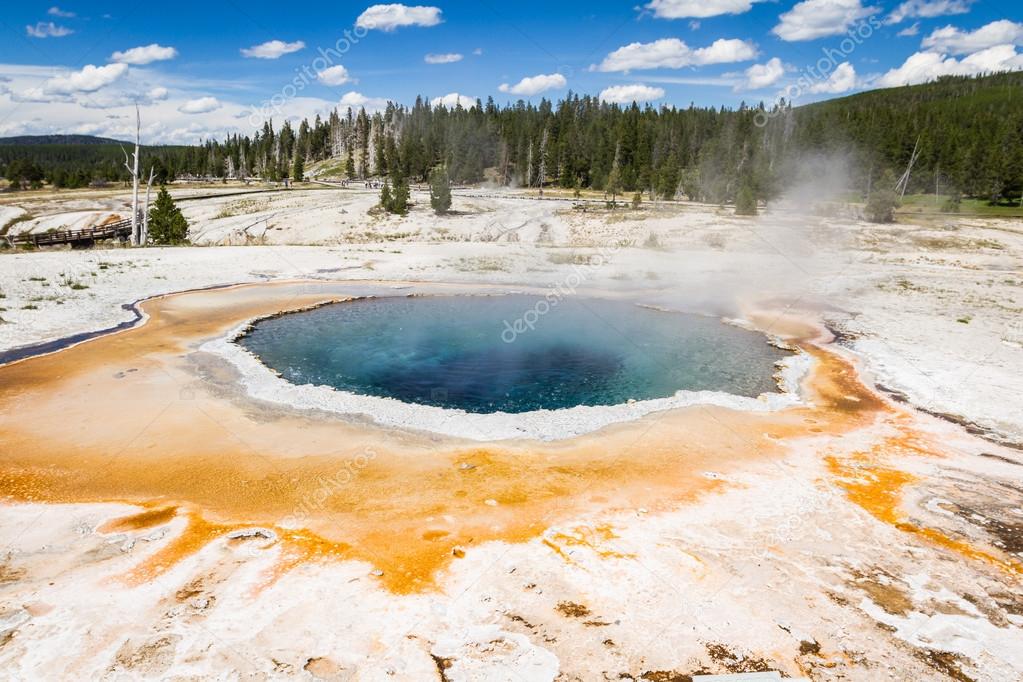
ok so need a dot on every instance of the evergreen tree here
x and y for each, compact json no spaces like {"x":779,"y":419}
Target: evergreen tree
{"x":400,"y":198}
{"x":386,"y":200}
{"x":298,"y":169}
{"x":614,"y":178}
{"x":440,"y":190}
{"x":746,"y":199}
{"x":166,"y":224}
{"x":883,"y":200}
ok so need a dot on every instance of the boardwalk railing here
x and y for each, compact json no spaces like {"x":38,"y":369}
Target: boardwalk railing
{"x":117,"y":230}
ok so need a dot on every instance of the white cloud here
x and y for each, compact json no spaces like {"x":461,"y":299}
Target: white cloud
{"x":356,"y":100}
{"x":146,"y":54}
{"x":910,"y":30}
{"x":448,"y":58}
{"x":813,"y":19}
{"x":334,"y":75}
{"x":202,"y":105}
{"x":842,"y":79}
{"x":90,"y":79}
{"x":478,"y":51}
{"x":534,"y":85}
{"x":926,"y":66}
{"x":272,"y":49}
{"x":48,"y":29}
{"x":58,"y":12}
{"x":157,"y":94}
{"x":927,"y":9}
{"x":390,"y":17}
{"x":627,"y":94}
{"x":672,"y":53}
{"x":453,"y":99}
{"x":761,"y":76}
{"x":682,"y":9}
{"x":954,"y":41}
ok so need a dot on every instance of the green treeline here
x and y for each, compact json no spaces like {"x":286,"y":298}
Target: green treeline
{"x":969,"y":131}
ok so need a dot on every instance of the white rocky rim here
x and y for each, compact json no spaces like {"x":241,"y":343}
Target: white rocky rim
{"x":265,"y":384}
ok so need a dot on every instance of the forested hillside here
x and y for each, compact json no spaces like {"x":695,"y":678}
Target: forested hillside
{"x":77,"y":160}
{"x":969,"y":131}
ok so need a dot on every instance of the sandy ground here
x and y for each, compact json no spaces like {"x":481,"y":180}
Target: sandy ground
{"x":888,"y":552}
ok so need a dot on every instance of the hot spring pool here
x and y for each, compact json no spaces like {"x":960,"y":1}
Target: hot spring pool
{"x":464,"y":352}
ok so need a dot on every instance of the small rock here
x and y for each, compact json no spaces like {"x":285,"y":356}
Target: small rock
{"x":252,"y":533}
{"x":457,"y":552}
{"x":377,"y":572}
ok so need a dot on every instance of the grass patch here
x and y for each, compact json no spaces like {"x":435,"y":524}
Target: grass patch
{"x":14,"y":221}
{"x":482,"y":264}
{"x":570,"y":258}
{"x":930,"y":203}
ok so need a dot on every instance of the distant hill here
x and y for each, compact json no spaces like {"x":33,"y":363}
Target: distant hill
{"x":57,"y":139}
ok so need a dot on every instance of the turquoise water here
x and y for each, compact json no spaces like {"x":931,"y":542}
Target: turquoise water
{"x":512,"y":353}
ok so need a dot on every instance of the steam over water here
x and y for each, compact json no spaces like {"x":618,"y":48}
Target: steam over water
{"x":480,"y":355}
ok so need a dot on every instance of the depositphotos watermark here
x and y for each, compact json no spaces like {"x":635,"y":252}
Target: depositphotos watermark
{"x":327,"y":487}
{"x":307,"y":74}
{"x":566,"y":287}
{"x":822,"y":69}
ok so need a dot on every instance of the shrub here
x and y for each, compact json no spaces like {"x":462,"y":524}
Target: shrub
{"x":166,"y":224}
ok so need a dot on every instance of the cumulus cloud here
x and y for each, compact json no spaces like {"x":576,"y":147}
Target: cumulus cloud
{"x":672,"y":53}
{"x":761,"y":76}
{"x":927,"y":9}
{"x":89,"y":79}
{"x":842,"y":79}
{"x":356,"y":100}
{"x":202,"y":105}
{"x":955,"y":41}
{"x":813,"y":19}
{"x":157,"y":94}
{"x":453,"y":99}
{"x":926,"y":66}
{"x":47,"y":29}
{"x":390,"y":17}
{"x":334,"y":75}
{"x":683,"y":9}
{"x":448,"y":58}
{"x":145,"y":54}
{"x":534,"y":85}
{"x":272,"y":49}
{"x":627,"y":94}
{"x":58,"y":12}
{"x":910,"y":30}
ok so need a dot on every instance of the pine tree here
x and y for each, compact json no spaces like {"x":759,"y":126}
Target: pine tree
{"x":614,"y":178}
{"x":400,"y":199}
{"x":166,"y":224}
{"x":746,"y":198}
{"x":883,"y":200}
{"x":298,"y":169}
{"x":440,"y":190}
{"x":386,"y":200}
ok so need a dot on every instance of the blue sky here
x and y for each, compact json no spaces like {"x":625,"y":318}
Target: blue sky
{"x":209,"y":68}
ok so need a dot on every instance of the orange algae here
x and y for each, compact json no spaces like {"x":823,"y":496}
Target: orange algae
{"x":593,"y":538}
{"x":878,"y":489}
{"x":332,"y":490}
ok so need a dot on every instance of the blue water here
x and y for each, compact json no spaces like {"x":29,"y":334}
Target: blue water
{"x":500,"y":354}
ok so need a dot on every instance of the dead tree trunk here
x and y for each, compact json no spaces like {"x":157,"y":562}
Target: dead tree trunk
{"x":133,"y":169}
{"x":144,"y":235}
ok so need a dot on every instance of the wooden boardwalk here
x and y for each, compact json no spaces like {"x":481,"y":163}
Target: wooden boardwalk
{"x":120,"y":230}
